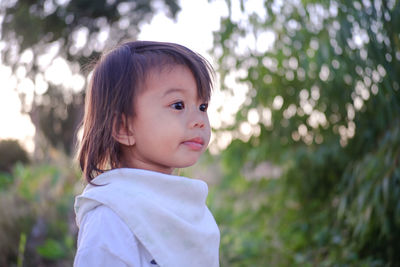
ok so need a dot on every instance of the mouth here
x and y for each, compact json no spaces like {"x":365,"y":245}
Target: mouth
{"x":196,"y":144}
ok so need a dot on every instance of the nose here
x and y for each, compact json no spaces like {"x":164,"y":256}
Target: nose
{"x":198,"y":124}
{"x":198,"y":120}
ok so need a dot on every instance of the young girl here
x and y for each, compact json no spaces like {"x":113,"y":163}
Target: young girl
{"x":146,"y":114}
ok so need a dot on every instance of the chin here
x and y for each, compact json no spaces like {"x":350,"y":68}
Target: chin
{"x":187,"y":164}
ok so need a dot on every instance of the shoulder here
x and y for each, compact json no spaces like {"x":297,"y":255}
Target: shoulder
{"x":104,"y":237}
{"x":102,"y":223}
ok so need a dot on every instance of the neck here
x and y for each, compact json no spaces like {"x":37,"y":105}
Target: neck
{"x":137,"y":164}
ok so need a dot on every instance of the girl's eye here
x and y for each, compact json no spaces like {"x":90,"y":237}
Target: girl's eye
{"x":203,"y":107}
{"x":178,"y":105}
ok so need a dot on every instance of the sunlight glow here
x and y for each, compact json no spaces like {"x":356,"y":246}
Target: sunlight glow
{"x":14,"y":125}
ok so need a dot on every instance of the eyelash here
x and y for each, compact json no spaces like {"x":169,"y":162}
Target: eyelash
{"x":203,"y":107}
{"x":180,"y":105}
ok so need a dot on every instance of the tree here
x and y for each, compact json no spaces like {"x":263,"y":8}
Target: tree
{"x":324,"y":104}
{"x":38,"y":36}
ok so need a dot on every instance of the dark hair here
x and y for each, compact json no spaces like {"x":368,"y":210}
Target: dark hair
{"x":117,"y":78}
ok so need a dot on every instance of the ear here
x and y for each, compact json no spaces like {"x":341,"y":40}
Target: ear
{"x":124,"y":133}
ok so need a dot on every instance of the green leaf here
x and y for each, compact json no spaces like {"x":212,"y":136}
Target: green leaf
{"x":52,"y":250}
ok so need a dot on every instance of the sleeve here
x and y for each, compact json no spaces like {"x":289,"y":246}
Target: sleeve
{"x":105,"y":240}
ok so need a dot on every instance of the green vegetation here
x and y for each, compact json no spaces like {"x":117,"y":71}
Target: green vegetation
{"x":323,"y":107}
{"x":327,"y":97}
{"x":36,"y":215}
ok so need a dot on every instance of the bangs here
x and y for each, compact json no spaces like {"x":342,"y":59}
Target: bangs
{"x":161,"y":55}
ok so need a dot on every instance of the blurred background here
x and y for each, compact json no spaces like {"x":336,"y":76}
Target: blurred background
{"x":303,"y":168}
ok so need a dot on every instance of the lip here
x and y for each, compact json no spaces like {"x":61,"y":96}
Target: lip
{"x":196,"y":143}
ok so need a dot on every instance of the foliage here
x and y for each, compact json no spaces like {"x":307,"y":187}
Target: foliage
{"x":369,"y":203}
{"x":323,"y":79}
{"x":11,"y":152}
{"x":39,"y":35}
{"x":36,"y":216}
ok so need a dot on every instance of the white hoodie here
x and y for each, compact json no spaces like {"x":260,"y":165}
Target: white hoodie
{"x":167,"y":214}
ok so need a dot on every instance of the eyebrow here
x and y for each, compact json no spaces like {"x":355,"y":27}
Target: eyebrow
{"x":174,"y":90}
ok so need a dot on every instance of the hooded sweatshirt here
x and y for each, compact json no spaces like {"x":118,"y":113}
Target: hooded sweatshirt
{"x":166,"y":213}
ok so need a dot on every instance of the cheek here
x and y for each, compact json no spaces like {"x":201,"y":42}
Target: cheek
{"x":163,"y":130}
{"x":208,"y":132}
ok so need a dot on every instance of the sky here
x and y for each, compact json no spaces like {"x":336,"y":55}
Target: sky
{"x":193,"y":28}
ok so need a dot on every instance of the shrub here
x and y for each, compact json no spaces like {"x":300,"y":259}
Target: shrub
{"x":11,"y":152}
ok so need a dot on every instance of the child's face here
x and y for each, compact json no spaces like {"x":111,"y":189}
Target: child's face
{"x":170,"y":127}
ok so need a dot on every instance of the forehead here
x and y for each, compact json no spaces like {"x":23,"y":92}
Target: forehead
{"x":168,"y":66}
{"x":169,"y":77}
